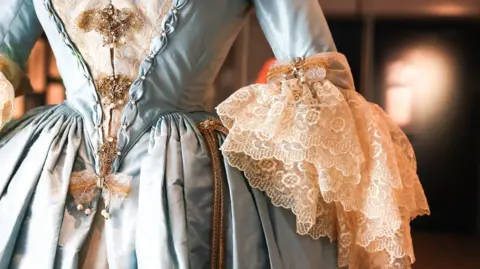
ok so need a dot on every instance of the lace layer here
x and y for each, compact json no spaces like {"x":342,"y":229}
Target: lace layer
{"x":7,"y":96}
{"x":338,"y":162}
{"x":85,"y":186}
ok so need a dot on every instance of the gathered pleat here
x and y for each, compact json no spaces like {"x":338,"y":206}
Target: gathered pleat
{"x":165,"y":222}
{"x":169,"y":198}
{"x":34,"y":186}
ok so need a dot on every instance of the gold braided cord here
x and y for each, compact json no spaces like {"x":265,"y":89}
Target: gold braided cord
{"x":209,"y":128}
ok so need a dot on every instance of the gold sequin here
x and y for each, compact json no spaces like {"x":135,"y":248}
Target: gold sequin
{"x":208,"y":128}
{"x":113,"y":89}
{"x":113,"y":24}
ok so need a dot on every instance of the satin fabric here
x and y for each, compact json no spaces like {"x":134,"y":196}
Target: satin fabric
{"x":164,"y":223}
{"x":166,"y":220}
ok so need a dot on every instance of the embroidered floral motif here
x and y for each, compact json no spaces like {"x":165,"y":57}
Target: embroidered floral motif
{"x":113,"y":24}
{"x":107,"y":153}
{"x":113,"y":89}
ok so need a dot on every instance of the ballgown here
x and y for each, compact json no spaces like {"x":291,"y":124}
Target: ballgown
{"x":131,"y":172}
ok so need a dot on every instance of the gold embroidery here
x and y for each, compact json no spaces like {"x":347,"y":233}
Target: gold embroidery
{"x":86,"y":185}
{"x":295,"y":69}
{"x":113,"y":89}
{"x":107,"y":153}
{"x":208,"y":129}
{"x":93,"y":184}
{"x":113,"y":24}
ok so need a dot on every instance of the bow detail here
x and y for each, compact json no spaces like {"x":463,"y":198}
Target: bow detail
{"x":85,"y":186}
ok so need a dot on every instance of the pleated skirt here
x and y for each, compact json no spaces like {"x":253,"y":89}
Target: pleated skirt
{"x":169,"y":220}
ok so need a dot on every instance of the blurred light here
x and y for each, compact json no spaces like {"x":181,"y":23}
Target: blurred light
{"x":399,"y":105}
{"x":19,"y":107}
{"x":37,"y":66}
{"x":52,"y":65}
{"x":262,"y":75}
{"x":450,"y":9}
{"x":55,"y":94}
{"x":419,"y":81}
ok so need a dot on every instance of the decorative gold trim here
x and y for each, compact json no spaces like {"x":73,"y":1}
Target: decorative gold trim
{"x":112,"y":23}
{"x":113,"y":186}
{"x":208,"y":129}
{"x":85,"y":186}
{"x":113,"y":89}
{"x":293,"y":68}
{"x":107,"y":153}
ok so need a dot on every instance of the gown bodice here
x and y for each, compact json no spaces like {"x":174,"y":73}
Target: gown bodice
{"x":178,"y":46}
{"x":125,"y":63}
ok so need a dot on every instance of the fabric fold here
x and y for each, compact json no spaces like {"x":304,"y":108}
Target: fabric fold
{"x":33,"y":191}
{"x":318,"y":148}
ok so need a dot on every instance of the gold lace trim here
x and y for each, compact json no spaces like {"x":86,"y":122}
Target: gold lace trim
{"x":208,"y":128}
{"x":299,"y":68}
{"x":86,"y":185}
{"x":113,"y":24}
{"x":113,"y":89}
{"x":338,"y":162}
{"x":107,"y":153}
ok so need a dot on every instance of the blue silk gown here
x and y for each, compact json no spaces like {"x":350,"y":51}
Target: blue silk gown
{"x":126,"y":173}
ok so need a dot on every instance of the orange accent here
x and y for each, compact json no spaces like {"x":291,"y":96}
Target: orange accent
{"x":262,"y":76}
{"x":88,"y":185}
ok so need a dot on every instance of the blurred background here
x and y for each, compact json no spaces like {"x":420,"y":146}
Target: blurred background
{"x":419,"y":60}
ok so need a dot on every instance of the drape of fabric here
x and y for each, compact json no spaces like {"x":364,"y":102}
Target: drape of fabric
{"x":145,"y":150}
{"x":164,"y":223}
{"x":340,"y":164}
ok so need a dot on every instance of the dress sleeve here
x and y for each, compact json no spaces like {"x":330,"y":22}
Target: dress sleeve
{"x":19,"y":30}
{"x":318,"y":148}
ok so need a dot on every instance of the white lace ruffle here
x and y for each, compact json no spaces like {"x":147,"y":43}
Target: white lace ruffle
{"x":7,"y":97}
{"x":338,"y":162}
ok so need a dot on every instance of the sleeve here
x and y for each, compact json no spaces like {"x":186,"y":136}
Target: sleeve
{"x":19,"y":30}
{"x":318,"y":148}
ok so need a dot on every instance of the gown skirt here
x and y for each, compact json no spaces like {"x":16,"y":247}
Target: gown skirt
{"x":175,"y":215}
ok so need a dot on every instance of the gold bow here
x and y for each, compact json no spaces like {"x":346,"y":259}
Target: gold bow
{"x":85,"y":186}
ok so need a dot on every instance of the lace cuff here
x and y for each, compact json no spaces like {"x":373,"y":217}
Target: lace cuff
{"x":318,"y":148}
{"x":7,"y":96}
